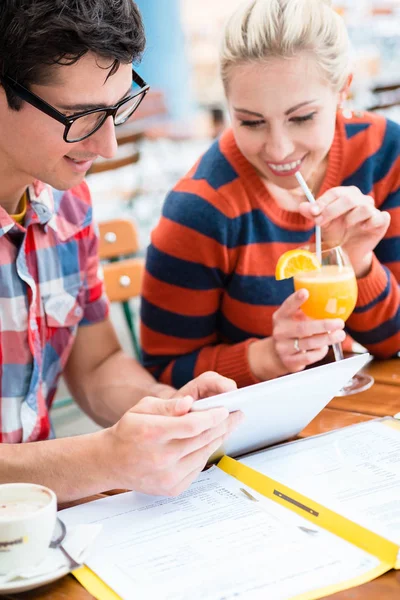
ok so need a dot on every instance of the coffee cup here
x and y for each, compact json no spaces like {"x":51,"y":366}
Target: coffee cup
{"x":27,"y":519}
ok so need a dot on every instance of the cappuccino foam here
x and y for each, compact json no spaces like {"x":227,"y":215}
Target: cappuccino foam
{"x":19,"y":508}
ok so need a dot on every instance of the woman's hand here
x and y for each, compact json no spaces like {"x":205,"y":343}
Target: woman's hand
{"x":296,"y":340}
{"x":349,"y":218}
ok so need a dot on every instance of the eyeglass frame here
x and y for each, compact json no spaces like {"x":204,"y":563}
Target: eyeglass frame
{"x":110,"y":111}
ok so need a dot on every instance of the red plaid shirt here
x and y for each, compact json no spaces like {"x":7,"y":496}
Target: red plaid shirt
{"x":49,"y":285}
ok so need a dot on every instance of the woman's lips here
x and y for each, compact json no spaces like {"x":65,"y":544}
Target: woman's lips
{"x":285,"y":169}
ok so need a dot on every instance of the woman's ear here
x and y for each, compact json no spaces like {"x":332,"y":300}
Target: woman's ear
{"x":344,"y":92}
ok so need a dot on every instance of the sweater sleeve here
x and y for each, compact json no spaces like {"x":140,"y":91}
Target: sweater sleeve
{"x":375,"y":322}
{"x":191,"y":255}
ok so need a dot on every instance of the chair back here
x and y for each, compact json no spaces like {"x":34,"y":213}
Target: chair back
{"x":118,"y":238}
{"x":123,"y":279}
{"x":123,"y":274}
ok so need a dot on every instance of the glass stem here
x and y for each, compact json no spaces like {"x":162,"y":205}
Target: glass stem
{"x":337,"y":351}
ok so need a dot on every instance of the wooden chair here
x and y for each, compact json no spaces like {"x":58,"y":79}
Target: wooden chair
{"x":387,"y":96}
{"x":122,"y":275}
{"x":117,"y":237}
{"x":123,"y":279}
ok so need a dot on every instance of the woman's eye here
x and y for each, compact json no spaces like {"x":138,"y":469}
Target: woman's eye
{"x":304,"y":118}
{"x":251,"y":123}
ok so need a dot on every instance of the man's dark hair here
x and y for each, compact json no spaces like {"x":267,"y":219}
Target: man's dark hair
{"x":38,"y":34}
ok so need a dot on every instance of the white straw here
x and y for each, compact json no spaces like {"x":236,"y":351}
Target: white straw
{"x":311,"y":199}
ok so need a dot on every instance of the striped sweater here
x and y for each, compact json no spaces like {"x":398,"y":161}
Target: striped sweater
{"x":209,"y":288}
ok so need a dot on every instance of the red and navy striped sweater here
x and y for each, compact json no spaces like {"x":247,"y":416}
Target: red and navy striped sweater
{"x":209,"y":288}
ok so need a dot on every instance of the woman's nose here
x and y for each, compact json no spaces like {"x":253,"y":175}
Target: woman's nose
{"x":279,"y":147}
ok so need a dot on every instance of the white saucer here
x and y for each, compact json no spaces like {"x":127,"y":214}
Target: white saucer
{"x":23,"y":585}
{"x":79,"y":537}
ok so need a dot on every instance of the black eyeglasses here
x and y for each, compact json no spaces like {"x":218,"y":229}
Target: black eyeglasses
{"x":81,"y":125}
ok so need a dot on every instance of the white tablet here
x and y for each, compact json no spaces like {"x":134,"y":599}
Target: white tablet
{"x":279,"y":409}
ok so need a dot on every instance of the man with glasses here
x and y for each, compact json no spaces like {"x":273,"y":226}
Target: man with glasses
{"x":66,"y":81}
{"x":83,"y":124}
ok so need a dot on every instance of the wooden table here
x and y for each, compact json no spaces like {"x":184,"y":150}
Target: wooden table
{"x":380,"y":400}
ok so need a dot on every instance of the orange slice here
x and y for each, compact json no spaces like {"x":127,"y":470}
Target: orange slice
{"x":296,"y":261}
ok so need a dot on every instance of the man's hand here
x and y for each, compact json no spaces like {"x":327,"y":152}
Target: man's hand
{"x":205,"y":385}
{"x":159,"y":447}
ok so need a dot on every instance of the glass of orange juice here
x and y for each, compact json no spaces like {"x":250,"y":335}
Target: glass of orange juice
{"x":332,"y":292}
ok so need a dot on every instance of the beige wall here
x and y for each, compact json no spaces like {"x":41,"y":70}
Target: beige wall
{"x":203,"y":22}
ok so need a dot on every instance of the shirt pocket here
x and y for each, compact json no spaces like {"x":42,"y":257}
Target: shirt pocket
{"x":63,"y":310}
{"x":62,"y":315}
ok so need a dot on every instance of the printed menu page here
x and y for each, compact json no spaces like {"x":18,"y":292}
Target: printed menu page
{"x":219,"y":540}
{"x":354,"y":471}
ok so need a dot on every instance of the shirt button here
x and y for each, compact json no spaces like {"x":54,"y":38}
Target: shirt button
{"x":78,"y":311}
{"x":33,"y":324}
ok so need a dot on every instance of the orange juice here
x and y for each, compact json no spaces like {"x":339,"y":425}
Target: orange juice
{"x":332,"y":292}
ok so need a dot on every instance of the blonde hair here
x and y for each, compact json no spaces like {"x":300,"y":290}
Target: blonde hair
{"x":262,"y":29}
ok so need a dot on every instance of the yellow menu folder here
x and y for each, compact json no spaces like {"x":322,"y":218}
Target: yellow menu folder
{"x":385,"y":551}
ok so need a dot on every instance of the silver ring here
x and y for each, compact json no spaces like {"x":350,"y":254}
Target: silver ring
{"x":296,"y":345}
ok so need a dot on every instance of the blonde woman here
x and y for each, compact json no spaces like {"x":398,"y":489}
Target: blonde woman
{"x":210,"y":300}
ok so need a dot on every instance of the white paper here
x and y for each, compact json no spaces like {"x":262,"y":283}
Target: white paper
{"x":354,"y":471}
{"x":213,"y":542}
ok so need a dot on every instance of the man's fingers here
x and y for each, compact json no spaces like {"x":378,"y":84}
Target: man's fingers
{"x":223,"y":430}
{"x":196,"y":461}
{"x":173,"y":407}
{"x":191,"y":465}
{"x":186,"y":482}
{"x":206,"y":385}
{"x":235,"y":419}
{"x":189,"y":425}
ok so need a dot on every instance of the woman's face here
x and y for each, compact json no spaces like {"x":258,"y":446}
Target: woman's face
{"x":283,"y":115}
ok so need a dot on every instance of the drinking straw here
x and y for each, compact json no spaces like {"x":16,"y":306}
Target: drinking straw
{"x":311,"y":199}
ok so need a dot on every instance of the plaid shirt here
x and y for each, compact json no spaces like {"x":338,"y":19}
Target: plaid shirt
{"x":49,"y":284}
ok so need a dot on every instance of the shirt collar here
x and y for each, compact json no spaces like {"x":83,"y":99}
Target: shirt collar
{"x":42,"y":210}
{"x":41,"y":204}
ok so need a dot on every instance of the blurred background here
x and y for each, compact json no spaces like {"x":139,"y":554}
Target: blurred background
{"x":185,"y":110}
{"x":191,"y":39}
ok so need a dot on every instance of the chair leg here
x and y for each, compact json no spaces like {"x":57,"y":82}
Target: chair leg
{"x":131,"y":326}
{"x":62,"y":402}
